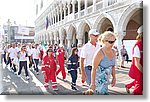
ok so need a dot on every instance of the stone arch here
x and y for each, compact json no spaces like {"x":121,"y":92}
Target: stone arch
{"x":101,"y":19}
{"x":83,"y":30}
{"x":81,"y":27}
{"x":63,"y":35}
{"x":70,"y":31}
{"x":72,"y":34}
{"x":126,"y":15}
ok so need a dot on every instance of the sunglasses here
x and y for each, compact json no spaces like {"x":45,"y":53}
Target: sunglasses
{"x":94,"y":35}
{"x":110,"y":42}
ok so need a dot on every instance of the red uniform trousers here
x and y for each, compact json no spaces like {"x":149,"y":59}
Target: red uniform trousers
{"x":62,"y":69}
{"x":41,"y":54}
{"x":50,"y":75}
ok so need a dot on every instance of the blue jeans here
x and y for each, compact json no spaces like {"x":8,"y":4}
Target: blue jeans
{"x":88,"y":74}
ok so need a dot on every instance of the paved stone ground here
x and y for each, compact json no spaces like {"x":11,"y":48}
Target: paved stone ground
{"x":12,"y":85}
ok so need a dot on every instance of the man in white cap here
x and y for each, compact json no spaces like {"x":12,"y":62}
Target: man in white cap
{"x":86,"y":56}
{"x":136,"y":69}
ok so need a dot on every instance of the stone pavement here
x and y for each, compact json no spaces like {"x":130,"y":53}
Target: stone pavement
{"x":12,"y":85}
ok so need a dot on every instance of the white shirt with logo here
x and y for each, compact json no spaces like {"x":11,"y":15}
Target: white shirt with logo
{"x":87,"y":52}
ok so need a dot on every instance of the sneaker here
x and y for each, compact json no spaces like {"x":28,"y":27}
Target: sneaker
{"x":46,"y":85}
{"x":55,"y":89}
{"x":127,"y":90}
{"x":37,"y":73}
{"x":15,"y":73}
{"x":74,"y":88}
{"x":27,"y":77}
{"x":19,"y":76}
{"x":65,"y":80}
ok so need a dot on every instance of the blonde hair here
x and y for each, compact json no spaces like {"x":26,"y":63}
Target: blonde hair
{"x":106,"y":36}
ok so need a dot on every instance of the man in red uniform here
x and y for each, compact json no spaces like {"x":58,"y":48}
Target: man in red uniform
{"x":60,"y":60}
{"x":49,"y":69}
{"x":136,"y":69}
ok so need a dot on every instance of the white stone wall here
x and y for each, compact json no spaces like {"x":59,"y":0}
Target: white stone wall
{"x":117,"y":12}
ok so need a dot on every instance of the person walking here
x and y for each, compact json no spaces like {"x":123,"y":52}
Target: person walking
{"x":49,"y":69}
{"x":136,"y":69}
{"x":12,"y":53}
{"x":35,"y":57}
{"x":123,"y":56}
{"x":103,"y":65}
{"x":60,"y":60}
{"x":86,"y":56}
{"x":23,"y":62}
{"x":29,"y":51}
{"x":73,"y":66}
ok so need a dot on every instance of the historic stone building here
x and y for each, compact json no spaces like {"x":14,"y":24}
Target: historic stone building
{"x":68,"y":21}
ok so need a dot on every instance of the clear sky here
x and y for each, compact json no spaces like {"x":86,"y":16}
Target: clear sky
{"x":21,"y":11}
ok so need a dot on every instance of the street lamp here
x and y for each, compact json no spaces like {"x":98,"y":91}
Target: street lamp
{"x":8,"y":22}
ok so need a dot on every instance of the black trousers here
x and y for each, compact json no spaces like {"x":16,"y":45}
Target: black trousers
{"x":9,"y":62}
{"x":36,"y":62}
{"x":21,"y":65}
{"x":13,"y":66}
{"x":74,"y":77}
{"x":3,"y":56}
{"x":30,"y":61}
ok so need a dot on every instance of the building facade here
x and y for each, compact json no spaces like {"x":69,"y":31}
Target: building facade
{"x":11,"y":33}
{"x":69,"y":21}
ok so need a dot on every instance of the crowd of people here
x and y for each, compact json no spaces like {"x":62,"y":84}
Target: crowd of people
{"x":95,"y":61}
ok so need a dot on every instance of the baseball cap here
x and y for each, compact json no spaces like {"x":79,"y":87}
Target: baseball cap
{"x":60,"y":45}
{"x":93,"y":31}
{"x":140,"y":29}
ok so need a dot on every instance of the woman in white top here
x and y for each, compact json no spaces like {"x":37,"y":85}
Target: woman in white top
{"x":23,"y":62}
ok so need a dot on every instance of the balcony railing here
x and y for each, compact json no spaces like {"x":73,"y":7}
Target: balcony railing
{"x":76,"y":15}
{"x":99,"y":5}
{"x":90,"y":9}
{"x":82,"y":13}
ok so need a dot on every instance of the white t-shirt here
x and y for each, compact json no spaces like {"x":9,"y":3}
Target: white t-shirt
{"x":13,"y":52}
{"x":40,"y":47}
{"x":87,"y":52}
{"x":29,"y":50}
{"x":18,"y":49}
{"x":23,"y":56}
{"x":35,"y":53}
{"x":136,"y":52}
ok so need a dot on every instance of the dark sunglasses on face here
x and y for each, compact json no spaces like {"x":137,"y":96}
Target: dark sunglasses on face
{"x":111,"y":42}
{"x":95,"y":35}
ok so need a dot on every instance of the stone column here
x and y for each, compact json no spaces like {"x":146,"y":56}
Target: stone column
{"x":94,"y":6}
{"x":60,"y":12}
{"x":68,"y":6}
{"x":69,"y":45}
{"x":85,"y":11}
{"x":55,"y":17}
{"x":79,"y":37}
{"x":119,"y":37}
{"x":73,"y":6}
{"x":64,"y":11}
{"x":79,"y":8}
{"x":105,"y":3}
{"x":62,"y":41}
